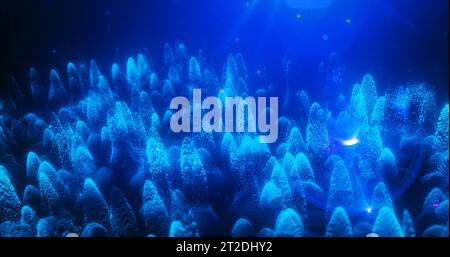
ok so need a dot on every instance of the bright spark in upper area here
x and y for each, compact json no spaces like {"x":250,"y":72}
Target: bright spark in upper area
{"x":350,"y":142}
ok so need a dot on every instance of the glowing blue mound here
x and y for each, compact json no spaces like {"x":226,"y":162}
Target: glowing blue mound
{"x":33,"y":164}
{"x":369,"y":90}
{"x":357,"y":109}
{"x":94,"y":230}
{"x":28,"y":220}
{"x":442,"y":212}
{"x":14,"y":229}
{"x":145,"y":109}
{"x":228,"y":147}
{"x":388,"y":166}
{"x":46,"y":227}
{"x":378,"y":112}
{"x":441,"y":134}
{"x":287,"y":162}
{"x":192,"y":173}
{"x":157,"y":161}
{"x":3,"y":144}
{"x":122,"y":218}
{"x":57,"y":91}
{"x":432,"y":200}
{"x":83,"y":163}
{"x":154,"y":212}
{"x":75,"y":86}
{"x":9,"y":202}
{"x":295,"y":142}
{"x":247,"y":167}
{"x":195,"y":75}
{"x":340,"y":193}
{"x":94,"y":205}
{"x":339,"y":224}
{"x":386,"y":224}
{"x":369,"y":148}
{"x":317,"y":140}
{"x":243,"y":228}
{"x":265,"y":232}
{"x":280,"y":180}
{"x":289,"y":224}
{"x":302,"y":168}
{"x":54,"y":182}
{"x":381,"y":197}
{"x":271,"y":200}
{"x":408,"y":224}
{"x":177,"y":229}
{"x":31,"y":197}
{"x":436,"y":231}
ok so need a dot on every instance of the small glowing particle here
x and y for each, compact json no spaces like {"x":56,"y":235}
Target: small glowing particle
{"x":258,"y":72}
{"x":369,"y":210}
{"x":350,"y":142}
{"x":222,"y":90}
{"x":348,"y":21}
{"x":435,"y":205}
{"x":157,"y":149}
{"x":298,"y":16}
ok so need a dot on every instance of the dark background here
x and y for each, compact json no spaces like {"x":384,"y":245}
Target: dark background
{"x":398,"y":41}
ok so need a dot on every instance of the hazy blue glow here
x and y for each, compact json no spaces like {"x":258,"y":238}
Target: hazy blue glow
{"x":309,"y":4}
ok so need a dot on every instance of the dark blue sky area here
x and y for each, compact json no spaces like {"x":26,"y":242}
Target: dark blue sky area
{"x":397,"y":41}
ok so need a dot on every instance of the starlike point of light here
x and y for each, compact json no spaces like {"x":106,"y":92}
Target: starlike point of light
{"x":369,"y":210}
{"x":352,"y":141}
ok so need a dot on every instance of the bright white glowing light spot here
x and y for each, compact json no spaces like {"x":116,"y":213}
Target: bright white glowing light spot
{"x":222,"y":91}
{"x":157,"y":148}
{"x":298,"y":16}
{"x":369,"y":210}
{"x":350,"y":142}
{"x":348,"y":21}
